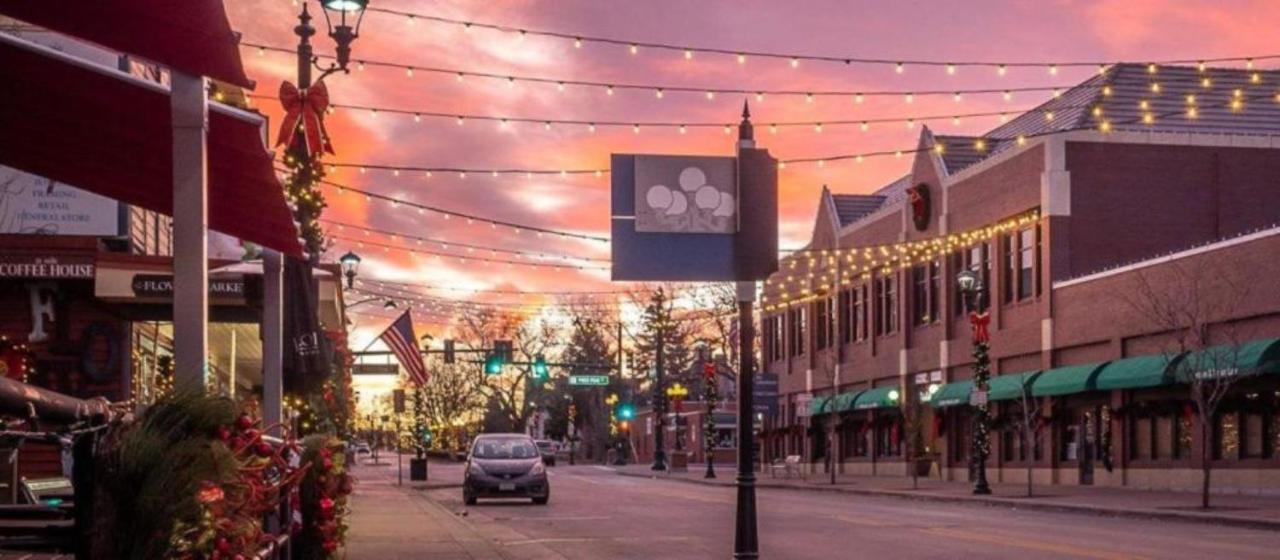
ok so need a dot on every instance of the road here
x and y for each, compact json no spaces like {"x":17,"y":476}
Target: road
{"x":596,"y":514}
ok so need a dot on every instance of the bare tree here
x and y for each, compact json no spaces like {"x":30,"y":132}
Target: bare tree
{"x":1191,"y":310}
{"x":1028,"y":425}
{"x":913,"y":421}
{"x":451,"y":393}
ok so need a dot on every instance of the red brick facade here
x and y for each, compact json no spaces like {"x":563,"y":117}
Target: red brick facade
{"x":1104,"y":201}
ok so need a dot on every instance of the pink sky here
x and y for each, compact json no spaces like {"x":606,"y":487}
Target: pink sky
{"x":1063,"y":30}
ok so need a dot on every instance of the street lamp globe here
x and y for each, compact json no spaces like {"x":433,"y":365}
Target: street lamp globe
{"x":389,"y":305}
{"x":344,"y":32}
{"x":350,"y":263}
{"x":967,"y":281}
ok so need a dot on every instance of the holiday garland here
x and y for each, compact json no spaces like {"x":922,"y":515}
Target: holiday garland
{"x":324,"y":492}
{"x":191,"y":479}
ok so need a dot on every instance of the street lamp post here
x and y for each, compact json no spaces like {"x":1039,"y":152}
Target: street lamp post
{"x":659,"y":397}
{"x":350,"y":263}
{"x":980,"y":444}
{"x":677,"y":392}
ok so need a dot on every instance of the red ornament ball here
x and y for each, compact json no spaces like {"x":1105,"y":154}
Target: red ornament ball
{"x":244,"y":422}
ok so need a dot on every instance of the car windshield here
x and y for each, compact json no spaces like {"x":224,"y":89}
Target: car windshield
{"x":544,"y":444}
{"x":504,"y":448}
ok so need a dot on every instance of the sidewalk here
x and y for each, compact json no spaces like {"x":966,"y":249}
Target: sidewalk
{"x":1237,"y":510}
{"x":389,"y":521}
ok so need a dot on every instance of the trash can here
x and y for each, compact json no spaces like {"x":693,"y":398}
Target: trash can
{"x":418,"y":469}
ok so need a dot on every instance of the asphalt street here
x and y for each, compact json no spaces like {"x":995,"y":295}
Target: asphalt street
{"x":596,"y":514}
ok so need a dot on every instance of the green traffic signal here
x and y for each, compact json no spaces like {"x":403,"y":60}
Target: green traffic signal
{"x":626,"y":411}
{"x":493,"y":364}
{"x":540,"y":368}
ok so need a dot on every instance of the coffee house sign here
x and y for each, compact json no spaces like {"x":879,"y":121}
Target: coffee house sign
{"x":46,"y":267}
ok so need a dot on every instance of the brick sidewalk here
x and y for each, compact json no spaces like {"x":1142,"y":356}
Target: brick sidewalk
{"x":390,"y":521}
{"x":1238,"y":510}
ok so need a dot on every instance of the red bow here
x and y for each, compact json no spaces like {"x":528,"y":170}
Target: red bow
{"x":980,"y":322}
{"x":305,"y":107}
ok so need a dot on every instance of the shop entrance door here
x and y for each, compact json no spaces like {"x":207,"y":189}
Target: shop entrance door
{"x":1088,"y":441}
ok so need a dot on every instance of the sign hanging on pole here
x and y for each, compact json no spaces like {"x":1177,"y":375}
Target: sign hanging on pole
{"x":589,"y":380}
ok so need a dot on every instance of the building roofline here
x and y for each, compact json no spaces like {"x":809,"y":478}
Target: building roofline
{"x":1211,"y":246}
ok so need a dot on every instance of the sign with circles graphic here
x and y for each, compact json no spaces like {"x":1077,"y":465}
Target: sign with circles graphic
{"x":686,"y":194}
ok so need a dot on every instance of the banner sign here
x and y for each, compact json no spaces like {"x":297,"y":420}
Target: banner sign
{"x":589,"y":380}
{"x":35,"y":205}
{"x":161,"y":285}
{"x":766,"y":393}
{"x":46,"y":267}
{"x":375,"y":369}
{"x":694,"y":218}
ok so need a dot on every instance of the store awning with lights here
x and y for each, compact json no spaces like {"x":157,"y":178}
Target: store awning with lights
{"x":1000,"y":388}
{"x":1138,"y":372}
{"x":879,"y":397}
{"x":108,"y":132}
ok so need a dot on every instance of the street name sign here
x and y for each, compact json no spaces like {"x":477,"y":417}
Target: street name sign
{"x":589,"y":380}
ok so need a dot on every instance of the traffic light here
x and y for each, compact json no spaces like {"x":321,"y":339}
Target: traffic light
{"x":449,"y":354}
{"x":540,"y":368}
{"x":493,"y":364}
{"x":504,"y":350}
{"x":709,"y":369}
{"x":626,"y":411}
{"x":624,"y":426}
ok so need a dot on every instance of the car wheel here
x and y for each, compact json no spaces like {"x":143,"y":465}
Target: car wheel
{"x":542,"y":501}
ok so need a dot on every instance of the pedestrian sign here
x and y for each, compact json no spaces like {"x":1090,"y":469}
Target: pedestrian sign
{"x":591,"y":380}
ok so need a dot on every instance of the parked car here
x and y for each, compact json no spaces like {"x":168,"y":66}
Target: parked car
{"x":505,"y":466}
{"x":361,"y":448}
{"x":548,"y":450}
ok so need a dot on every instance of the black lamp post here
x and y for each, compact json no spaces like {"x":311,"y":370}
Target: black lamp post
{"x":350,"y":263}
{"x":344,"y":33}
{"x":980,"y":443}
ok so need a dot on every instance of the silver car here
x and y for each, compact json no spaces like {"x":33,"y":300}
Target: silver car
{"x":505,"y":466}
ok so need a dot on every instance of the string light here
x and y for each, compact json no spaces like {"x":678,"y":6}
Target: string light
{"x":634,"y":46}
{"x":445,"y":244}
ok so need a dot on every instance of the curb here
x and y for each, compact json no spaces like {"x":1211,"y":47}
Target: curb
{"x":1012,"y":503}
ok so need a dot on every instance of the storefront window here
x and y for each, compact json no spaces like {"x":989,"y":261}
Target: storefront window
{"x":824,"y":323}
{"x":1227,"y":436}
{"x":1164,"y":438}
{"x":1186,"y":433}
{"x":1253,"y":435}
{"x":1026,"y":262}
{"x":1141,"y":447}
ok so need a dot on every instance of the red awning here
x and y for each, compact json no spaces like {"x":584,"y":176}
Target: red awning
{"x":107,"y":132}
{"x":192,"y":36}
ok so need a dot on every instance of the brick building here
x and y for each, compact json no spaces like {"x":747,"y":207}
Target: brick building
{"x":1140,"y":185}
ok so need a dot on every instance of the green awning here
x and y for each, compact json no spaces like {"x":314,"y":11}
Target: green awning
{"x":1067,"y":380}
{"x":818,"y":406}
{"x":1009,"y":387}
{"x":880,"y":397}
{"x":844,"y":401}
{"x":952,"y":394}
{"x":1138,"y":372}
{"x":1250,"y":358}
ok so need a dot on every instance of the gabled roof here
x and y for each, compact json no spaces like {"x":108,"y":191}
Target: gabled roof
{"x":851,"y":207}
{"x":962,"y":151}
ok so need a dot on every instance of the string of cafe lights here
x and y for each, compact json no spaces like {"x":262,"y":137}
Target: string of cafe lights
{"x":1235,"y":102}
{"x":882,"y":259}
{"x":661,"y":90}
{"x":794,"y":59}
{"x":446,"y":245}
{"x":471,"y":219}
{"x":437,"y":305}
{"x":817,"y":126}
{"x":693,"y":290}
{"x":388,"y":247}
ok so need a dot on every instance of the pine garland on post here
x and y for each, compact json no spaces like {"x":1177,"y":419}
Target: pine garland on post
{"x":303,"y":173}
{"x":711,"y":395}
{"x":981,"y":441}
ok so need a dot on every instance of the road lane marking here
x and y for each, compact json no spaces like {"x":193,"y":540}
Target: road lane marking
{"x":1069,"y":550}
{"x":862,"y":521}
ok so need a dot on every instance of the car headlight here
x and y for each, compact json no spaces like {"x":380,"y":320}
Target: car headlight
{"x":475,"y":470}
{"x":537,"y":469}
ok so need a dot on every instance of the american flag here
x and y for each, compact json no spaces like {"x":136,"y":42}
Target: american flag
{"x":399,"y":337}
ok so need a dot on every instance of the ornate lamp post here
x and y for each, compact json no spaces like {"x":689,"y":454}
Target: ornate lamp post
{"x":677,"y":392}
{"x":350,"y":263}
{"x":980,"y":444}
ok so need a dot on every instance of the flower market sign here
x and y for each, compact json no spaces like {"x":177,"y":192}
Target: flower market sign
{"x":694,"y":218}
